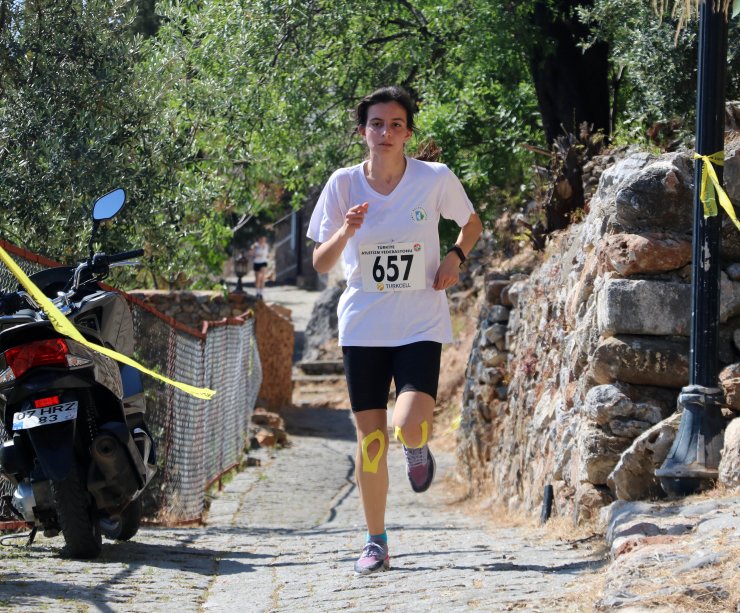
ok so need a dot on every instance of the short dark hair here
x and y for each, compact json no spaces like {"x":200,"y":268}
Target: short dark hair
{"x":392,"y":93}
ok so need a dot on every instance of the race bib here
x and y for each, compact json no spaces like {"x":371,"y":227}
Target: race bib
{"x":392,"y":267}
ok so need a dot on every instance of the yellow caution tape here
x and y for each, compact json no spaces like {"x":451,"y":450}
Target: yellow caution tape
{"x":708,"y":190}
{"x":64,"y":326}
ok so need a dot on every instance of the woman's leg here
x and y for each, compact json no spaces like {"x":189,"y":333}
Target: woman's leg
{"x":412,"y":425}
{"x":413,"y":415}
{"x":369,"y":377}
{"x":416,"y":371}
{"x":371,"y":468}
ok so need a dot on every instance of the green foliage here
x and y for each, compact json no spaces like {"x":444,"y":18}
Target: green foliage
{"x":655,"y":62}
{"x":263,"y":90}
{"x":78,"y":117}
{"x":207,"y":111}
{"x":65,"y":119}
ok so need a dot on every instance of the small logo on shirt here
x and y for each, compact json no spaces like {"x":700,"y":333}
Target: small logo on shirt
{"x":419,"y":214}
{"x":417,"y":247}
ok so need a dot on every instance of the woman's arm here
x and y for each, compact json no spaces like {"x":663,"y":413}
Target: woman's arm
{"x":448,"y":273}
{"x":325,"y":255}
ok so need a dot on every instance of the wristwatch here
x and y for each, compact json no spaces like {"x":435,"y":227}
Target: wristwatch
{"x":458,"y":252}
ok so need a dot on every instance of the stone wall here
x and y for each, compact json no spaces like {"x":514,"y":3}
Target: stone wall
{"x":575,"y":361}
{"x":273,"y":327}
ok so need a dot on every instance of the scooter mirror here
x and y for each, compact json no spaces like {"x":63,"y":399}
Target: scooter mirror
{"x":108,"y":206}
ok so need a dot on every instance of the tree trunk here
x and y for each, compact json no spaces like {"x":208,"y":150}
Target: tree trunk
{"x":572,"y":86}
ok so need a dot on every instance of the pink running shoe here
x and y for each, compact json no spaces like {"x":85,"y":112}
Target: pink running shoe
{"x":420,"y":467}
{"x":374,"y":558}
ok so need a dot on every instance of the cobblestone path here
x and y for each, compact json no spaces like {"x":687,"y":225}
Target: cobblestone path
{"x":284,"y":536}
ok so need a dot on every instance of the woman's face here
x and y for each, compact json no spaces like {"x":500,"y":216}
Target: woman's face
{"x":386,"y":130}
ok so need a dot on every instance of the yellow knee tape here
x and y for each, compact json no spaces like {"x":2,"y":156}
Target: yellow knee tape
{"x":368,"y":465}
{"x":424,"y":434}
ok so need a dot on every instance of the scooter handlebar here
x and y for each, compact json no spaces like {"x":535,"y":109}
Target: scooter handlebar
{"x":126,"y":255}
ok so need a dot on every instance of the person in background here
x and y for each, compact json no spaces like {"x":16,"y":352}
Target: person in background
{"x":381,"y":218}
{"x":259,"y":254}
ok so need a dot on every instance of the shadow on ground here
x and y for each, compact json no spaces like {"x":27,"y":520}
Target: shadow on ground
{"x":320,"y":422}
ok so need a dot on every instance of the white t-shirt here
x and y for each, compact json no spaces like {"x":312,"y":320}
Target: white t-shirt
{"x":261,"y":252}
{"x":409,"y":214}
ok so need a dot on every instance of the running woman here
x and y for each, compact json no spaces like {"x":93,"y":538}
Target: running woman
{"x":260,"y":252}
{"x":381,"y":218}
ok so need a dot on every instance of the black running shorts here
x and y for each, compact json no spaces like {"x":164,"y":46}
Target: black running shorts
{"x":369,"y":371}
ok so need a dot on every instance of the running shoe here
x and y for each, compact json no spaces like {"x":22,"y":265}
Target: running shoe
{"x":420,"y":466}
{"x":374,"y":558}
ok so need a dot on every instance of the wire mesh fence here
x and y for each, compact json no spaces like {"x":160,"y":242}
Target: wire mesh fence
{"x":196,"y":440}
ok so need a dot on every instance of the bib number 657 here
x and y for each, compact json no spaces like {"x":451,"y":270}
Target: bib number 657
{"x":392,"y":267}
{"x":391,"y":271}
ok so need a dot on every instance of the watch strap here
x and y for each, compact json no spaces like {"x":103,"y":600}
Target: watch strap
{"x":459,"y":252}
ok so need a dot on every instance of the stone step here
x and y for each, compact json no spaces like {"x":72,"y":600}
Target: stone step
{"x":315,"y":391}
{"x":298,"y":377}
{"x":321,"y":367}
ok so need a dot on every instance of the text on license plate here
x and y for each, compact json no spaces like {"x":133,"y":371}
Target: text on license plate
{"x":23,"y":420}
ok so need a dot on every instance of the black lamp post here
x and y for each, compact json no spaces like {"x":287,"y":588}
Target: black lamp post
{"x":693,"y":461}
{"x":240,"y":270}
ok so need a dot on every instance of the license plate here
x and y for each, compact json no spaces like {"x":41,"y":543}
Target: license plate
{"x":24,"y":420}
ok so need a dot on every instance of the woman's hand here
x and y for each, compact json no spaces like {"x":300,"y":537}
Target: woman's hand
{"x":326,"y":254}
{"x":448,"y":273}
{"x":354,"y":219}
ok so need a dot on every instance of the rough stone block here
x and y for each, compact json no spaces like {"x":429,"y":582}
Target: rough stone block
{"x":494,"y":334}
{"x":633,"y":478}
{"x":629,"y":254}
{"x":599,"y":454}
{"x":658,"y":196}
{"x":613,"y":177}
{"x":628,"y":428}
{"x":729,"y":380}
{"x":729,"y":465}
{"x":644,"y":307}
{"x":494,"y":285}
{"x":641,"y":360}
{"x":604,"y":402}
{"x":498,"y":314}
{"x":729,"y":294}
{"x":733,"y":271}
{"x":590,"y":499}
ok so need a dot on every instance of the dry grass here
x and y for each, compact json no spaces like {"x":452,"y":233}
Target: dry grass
{"x":718,"y":492}
{"x":452,"y":380}
{"x":704,"y":590}
{"x":565,"y":529}
{"x":587,"y":590}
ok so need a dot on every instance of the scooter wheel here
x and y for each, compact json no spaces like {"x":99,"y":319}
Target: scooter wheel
{"x":78,"y":517}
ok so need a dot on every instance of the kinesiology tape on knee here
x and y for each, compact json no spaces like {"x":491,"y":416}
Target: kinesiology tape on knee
{"x":424,"y":435}
{"x":368,"y":465}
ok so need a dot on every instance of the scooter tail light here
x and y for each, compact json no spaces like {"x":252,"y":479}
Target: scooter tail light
{"x":49,"y":401}
{"x":51,"y":352}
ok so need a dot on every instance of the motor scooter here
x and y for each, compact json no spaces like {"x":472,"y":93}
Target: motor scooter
{"x":79,"y":453}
